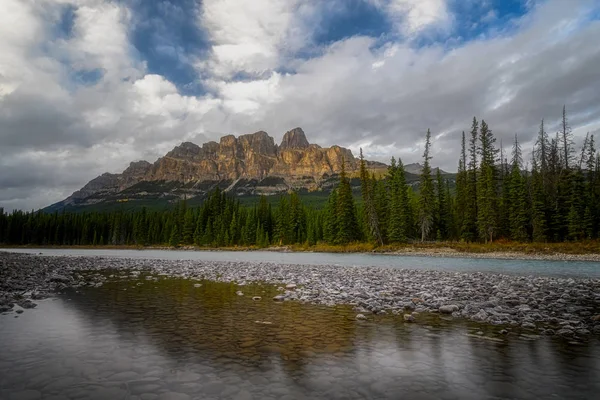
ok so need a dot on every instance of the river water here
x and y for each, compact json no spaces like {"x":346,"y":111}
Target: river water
{"x":167,"y":338}
{"x":583,"y":269}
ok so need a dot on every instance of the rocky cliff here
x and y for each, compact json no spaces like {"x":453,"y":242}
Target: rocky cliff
{"x":248,"y":164}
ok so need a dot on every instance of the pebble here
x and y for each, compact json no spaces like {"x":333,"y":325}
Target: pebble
{"x":564,"y":306}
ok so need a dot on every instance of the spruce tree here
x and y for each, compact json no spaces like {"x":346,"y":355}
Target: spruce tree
{"x":461,"y":186}
{"x":518,"y":216}
{"x":347,"y":224}
{"x":469,"y":226}
{"x":370,"y":217}
{"x":427,"y":197}
{"x":487,"y":217}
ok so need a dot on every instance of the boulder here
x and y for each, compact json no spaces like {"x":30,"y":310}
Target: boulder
{"x":448,"y":309}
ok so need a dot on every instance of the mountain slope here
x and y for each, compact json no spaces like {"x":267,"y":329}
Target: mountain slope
{"x":247,"y":165}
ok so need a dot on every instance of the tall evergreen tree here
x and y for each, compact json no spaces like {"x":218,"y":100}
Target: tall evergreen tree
{"x":427,"y":201}
{"x":347,"y":223}
{"x":370,"y":217}
{"x":469,"y":226}
{"x":518,"y":218}
{"x":487,"y":217}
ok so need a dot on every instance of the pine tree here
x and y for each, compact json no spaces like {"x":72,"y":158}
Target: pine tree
{"x":175,"y":237}
{"x":330,"y":220}
{"x":567,"y":139}
{"x":188,"y":227}
{"x":469,"y":226}
{"x":427,"y":201}
{"x":518,"y":218}
{"x":461,"y":185}
{"x":538,"y":218}
{"x":347,"y":224}
{"x":442,"y":217}
{"x":370,"y":217}
{"x":398,"y":206}
{"x":487,"y":218}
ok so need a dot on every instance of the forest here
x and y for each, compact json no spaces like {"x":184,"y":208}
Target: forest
{"x":552,"y":197}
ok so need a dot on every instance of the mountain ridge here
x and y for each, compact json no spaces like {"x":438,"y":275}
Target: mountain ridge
{"x":250,"y":164}
{"x":247,"y":164}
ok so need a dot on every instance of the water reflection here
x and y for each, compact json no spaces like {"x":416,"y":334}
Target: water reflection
{"x":142,"y":339}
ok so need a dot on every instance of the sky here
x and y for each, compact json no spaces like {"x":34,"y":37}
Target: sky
{"x":87,"y":86}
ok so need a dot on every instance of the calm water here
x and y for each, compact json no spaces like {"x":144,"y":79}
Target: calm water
{"x":166,"y":339}
{"x":525,"y":267}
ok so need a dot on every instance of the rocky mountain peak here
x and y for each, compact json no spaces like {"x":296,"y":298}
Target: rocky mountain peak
{"x":294,"y":139}
{"x":186,"y":150}
{"x":259,"y":142}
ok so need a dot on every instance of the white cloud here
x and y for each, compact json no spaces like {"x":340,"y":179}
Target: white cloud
{"x":55,"y":136}
{"x":249,"y":36}
{"x":414,"y":16}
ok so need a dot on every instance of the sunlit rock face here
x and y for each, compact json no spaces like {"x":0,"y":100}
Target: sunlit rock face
{"x":251,"y":163}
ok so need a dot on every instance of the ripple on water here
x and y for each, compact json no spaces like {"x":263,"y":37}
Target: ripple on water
{"x":171,"y":340}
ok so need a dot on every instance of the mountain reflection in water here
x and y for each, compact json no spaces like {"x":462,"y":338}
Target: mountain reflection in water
{"x":166,"y":339}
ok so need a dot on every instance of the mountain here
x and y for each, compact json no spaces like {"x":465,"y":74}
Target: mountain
{"x":416,"y":168}
{"x":246,"y":165}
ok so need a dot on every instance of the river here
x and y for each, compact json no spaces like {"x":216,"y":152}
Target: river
{"x":583,"y":269}
{"x":171,"y":338}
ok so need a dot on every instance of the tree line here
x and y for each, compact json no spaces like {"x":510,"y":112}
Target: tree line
{"x":553,"y":197}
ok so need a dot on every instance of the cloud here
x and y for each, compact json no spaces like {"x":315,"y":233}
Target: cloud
{"x":413,"y":16}
{"x":251,"y":37}
{"x":59,"y":127}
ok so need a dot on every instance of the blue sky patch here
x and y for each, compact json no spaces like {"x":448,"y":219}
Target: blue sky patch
{"x":168,"y":39}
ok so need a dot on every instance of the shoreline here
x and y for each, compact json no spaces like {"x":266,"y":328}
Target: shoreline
{"x":566,"y":307}
{"x":413,"y":251}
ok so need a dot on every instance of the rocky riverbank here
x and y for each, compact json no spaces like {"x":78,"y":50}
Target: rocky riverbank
{"x":546,"y":305}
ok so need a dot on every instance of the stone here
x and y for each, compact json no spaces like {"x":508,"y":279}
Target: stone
{"x":27,"y":304}
{"x":239,"y":293}
{"x":290,"y":286}
{"x":596,"y":318}
{"x":243,"y":395}
{"x":528,"y":325}
{"x":26,"y":395}
{"x":279,"y":297}
{"x":565,"y":332}
{"x":213,"y":388}
{"x":60,"y":279}
{"x":409,"y":318}
{"x":448,"y":309}
{"x":481,"y":316}
{"x":360,"y":317}
{"x":256,"y":298}
{"x":173,"y":396}
{"x":197,"y":285}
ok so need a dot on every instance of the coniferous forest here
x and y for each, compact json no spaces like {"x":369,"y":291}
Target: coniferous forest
{"x":554,"y":196}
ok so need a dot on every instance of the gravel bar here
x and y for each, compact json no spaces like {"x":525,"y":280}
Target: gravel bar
{"x":566,"y":307}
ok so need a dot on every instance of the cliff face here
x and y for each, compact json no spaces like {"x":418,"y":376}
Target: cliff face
{"x":251,"y":159}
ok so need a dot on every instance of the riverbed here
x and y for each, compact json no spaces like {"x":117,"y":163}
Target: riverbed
{"x":150,"y":328}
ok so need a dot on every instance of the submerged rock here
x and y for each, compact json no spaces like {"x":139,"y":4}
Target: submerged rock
{"x":448,"y":309}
